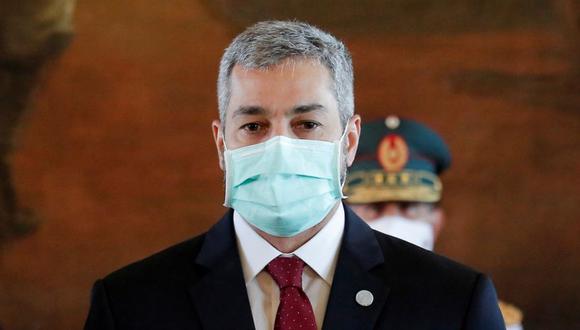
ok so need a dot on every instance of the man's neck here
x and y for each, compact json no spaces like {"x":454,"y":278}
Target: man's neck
{"x":291,"y":244}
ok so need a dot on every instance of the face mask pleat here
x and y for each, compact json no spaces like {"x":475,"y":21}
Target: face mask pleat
{"x":278,"y":156}
{"x":283,"y":186}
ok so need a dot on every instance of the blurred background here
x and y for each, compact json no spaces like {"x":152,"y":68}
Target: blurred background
{"x":106,"y":153}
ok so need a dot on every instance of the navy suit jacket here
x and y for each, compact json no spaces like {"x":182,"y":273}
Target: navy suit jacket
{"x":199,"y":284}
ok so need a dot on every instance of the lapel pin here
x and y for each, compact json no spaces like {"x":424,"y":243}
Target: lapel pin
{"x":364,"y":298}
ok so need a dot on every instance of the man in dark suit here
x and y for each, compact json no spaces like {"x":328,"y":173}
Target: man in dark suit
{"x":288,"y":254}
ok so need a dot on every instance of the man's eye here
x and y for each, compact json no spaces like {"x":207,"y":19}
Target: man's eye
{"x":252,"y":127}
{"x":308,"y":125}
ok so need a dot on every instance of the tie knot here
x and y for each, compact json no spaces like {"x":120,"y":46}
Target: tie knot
{"x":286,"y":271}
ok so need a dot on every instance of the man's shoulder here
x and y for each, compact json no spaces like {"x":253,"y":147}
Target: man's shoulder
{"x":423,"y":279}
{"x":150,"y":292}
{"x":413,"y":263}
{"x":173,"y":263}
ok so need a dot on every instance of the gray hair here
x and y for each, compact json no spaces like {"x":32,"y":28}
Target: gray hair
{"x":266,"y":44}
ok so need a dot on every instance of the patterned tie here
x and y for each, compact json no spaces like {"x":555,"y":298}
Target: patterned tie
{"x":294,"y":311}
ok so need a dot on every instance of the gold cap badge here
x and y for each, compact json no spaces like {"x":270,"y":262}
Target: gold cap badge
{"x":393,"y":153}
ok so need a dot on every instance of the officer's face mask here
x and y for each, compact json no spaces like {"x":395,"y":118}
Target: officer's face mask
{"x":284,"y":186}
{"x":414,"y":231}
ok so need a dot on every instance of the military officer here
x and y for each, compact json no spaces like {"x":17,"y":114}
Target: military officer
{"x":394,"y":185}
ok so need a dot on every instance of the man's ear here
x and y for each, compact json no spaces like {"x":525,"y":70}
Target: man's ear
{"x":352,"y":137}
{"x":218,"y":136}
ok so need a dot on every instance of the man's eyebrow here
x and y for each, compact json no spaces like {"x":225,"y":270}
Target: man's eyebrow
{"x":308,"y":108}
{"x":249,"y":111}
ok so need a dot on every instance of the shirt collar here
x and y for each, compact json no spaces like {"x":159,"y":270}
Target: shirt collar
{"x":255,"y":252}
{"x":319,"y":253}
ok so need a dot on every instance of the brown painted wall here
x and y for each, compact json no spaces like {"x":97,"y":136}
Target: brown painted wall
{"x":118,"y":162}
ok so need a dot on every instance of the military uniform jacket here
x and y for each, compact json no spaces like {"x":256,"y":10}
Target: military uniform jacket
{"x":198,"y":284}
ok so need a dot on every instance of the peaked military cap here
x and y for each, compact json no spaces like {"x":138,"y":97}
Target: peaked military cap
{"x":397,"y":160}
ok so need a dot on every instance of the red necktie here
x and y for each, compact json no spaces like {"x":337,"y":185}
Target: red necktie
{"x":294,"y":311}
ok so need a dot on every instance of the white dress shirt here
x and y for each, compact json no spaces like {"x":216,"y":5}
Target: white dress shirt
{"x":319,"y":254}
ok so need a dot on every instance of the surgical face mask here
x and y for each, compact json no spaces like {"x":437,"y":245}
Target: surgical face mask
{"x":284,"y":186}
{"x":417,"y":232}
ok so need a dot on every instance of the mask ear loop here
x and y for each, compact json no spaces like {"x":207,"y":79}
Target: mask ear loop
{"x":338,"y":153}
{"x":227,"y":171}
{"x":223,"y":139}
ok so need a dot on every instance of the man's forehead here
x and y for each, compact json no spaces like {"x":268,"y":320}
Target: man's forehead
{"x":295,"y":86}
{"x":256,"y":110}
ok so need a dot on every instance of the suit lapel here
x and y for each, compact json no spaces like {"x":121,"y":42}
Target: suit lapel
{"x":221,"y":299}
{"x":220,"y":296}
{"x":358,"y":268}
